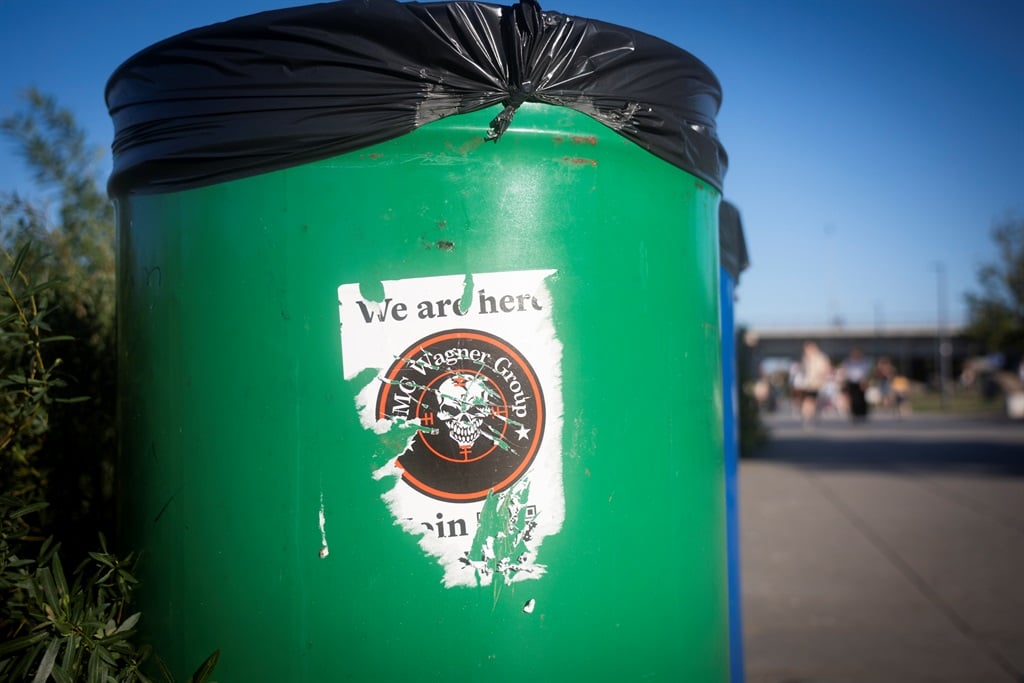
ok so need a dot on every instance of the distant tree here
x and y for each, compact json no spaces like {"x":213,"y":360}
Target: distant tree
{"x":997,"y":311}
{"x":70,"y":228}
{"x":56,"y":449}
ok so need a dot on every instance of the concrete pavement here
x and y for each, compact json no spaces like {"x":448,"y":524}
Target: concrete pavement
{"x":885,"y":551}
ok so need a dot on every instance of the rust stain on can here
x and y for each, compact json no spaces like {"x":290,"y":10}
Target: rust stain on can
{"x":580,"y":161}
{"x":584,"y":139}
{"x":466,"y":147}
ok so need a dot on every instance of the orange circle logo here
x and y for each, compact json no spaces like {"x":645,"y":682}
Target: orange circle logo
{"x":478,"y":409}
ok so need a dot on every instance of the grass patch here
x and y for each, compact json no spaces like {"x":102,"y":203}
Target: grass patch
{"x":958,"y":401}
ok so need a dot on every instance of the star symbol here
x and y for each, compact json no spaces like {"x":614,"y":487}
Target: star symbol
{"x":523,"y":433}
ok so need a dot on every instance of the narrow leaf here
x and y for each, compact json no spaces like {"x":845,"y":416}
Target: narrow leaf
{"x":202,"y":674}
{"x":23,"y":665}
{"x":105,"y":655}
{"x":129,"y":623}
{"x":49,"y":284}
{"x":94,"y":674}
{"x":102,"y":558}
{"x":77,"y":399}
{"x":164,"y":671}
{"x":12,"y":646}
{"x":61,"y":676}
{"x":58,"y":575}
{"x":29,"y":509}
{"x":19,"y":260}
{"x":49,"y":659}
{"x":49,"y":589}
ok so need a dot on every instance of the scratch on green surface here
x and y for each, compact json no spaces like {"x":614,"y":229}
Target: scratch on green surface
{"x":495,"y":437}
{"x":500,"y":547}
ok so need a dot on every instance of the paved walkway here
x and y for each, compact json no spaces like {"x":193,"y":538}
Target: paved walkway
{"x":885,"y":551}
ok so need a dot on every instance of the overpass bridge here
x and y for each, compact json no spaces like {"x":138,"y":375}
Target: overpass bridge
{"x":915,"y":349}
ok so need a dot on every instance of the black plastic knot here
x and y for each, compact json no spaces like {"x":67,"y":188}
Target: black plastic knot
{"x":522,"y":93}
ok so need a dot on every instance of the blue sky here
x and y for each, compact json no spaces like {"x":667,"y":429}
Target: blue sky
{"x":870,"y":141}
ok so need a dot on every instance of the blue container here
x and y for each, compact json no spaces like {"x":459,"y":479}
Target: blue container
{"x":733,"y":252}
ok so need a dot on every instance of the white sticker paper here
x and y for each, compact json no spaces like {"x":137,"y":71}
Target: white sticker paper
{"x":470,"y":368}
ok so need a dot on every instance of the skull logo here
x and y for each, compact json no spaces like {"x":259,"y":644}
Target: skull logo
{"x":463,"y":406}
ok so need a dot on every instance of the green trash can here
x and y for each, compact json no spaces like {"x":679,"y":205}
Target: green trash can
{"x":404,"y":401}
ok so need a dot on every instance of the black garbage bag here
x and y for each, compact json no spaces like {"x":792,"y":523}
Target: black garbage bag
{"x":286,"y":87}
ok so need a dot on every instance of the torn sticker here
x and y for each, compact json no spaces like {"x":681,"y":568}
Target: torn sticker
{"x":468,"y":368}
{"x":324,"y":550}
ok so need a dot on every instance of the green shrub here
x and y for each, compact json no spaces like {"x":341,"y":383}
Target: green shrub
{"x":57,"y":447}
{"x":51,"y":628}
{"x":69,"y":455}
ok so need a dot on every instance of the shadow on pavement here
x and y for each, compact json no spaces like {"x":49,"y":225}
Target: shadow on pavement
{"x":933,"y":443}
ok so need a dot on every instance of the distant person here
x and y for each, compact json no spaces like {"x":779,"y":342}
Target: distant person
{"x":815,"y":370}
{"x":796,"y":386}
{"x":764,"y":394}
{"x":901,"y":395}
{"x":885,"y":371}
{"x":856,"y":371}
